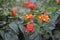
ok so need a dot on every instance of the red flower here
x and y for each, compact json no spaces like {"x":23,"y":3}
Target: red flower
{"x":30,"y":28}
{"x":58,"y":1}
{"x":13,"y":13}
{"x":27,"y":3}
{"x":31,"y":6}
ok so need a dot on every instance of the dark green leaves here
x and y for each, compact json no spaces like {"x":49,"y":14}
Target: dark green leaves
{"x":14,"y":27}
{"x":10,"y":36}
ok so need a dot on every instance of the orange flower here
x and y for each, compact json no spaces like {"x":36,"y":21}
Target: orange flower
{"x":44,"y":18}
{"x":28,"y":17}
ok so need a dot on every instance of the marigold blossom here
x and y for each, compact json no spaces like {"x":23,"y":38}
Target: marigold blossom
{"x":28,"y":17}
{"x":44,"y":18}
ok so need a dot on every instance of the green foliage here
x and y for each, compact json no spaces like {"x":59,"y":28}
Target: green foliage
{"x":11,"y":27}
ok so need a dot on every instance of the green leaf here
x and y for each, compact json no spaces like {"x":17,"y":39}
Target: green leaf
{"x":2,"y":33}
{"x":10,"y":35}
{"x":6,"y":13}
{"x":14,"y":27}
{"x":53,"y":17}
{"x":35,"y":36}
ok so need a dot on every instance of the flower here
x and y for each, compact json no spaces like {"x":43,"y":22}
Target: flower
{"x":44,"y":18}
{"x":13,"y":12}
{"x":58,"y":1}
{"x":27,"y":3}
{"x":31,"y":6}
{"x":30,"y":28}
{"x":28,"y":17}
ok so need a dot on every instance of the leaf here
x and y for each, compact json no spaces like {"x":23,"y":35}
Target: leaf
{"x":5,"y":12}
{"x":35,"y":36}
{"x":49,"y":26}
{"x":18,"y":20}
{"x":1,"y":8}
{"x":14,"y":27}
{"x":58,"y":12}
{"x":10,"y":35}
{"x":49,"y":9}
{"x":2,"y":33}
{"x":53,"y":17}
{"x":2,"y":23}
{"x":9,"y":0}
{"x":21,"y":27}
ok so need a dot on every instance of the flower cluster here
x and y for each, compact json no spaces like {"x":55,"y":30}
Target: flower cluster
{"x":42,"y":18}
